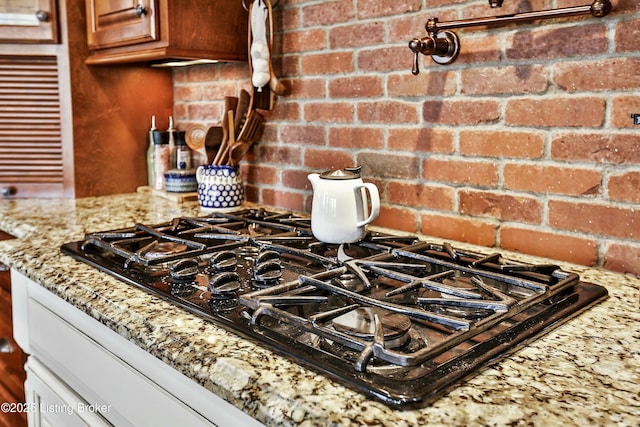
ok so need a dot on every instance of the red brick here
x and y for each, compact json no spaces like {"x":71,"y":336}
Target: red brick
{"x":218,"y":91}
{"x":387,"y":112}
{"x":325,"y":159}
{"x":384,"y":59}
{"x":504,"y":207}
{"x":578,"y":40}
{"x":328,"y":12}
{"x":302,"y":134}
{"x":187,"y":93}
{"x":180,"y":112}
{"x":304,"y":40}
{"x":360,"y":34}
{"x":504,"y":80}
{"x":625,"y":187}
{"x":329,"y":112}
{"x":457,"y":228}
{"x":552,"y":112}
{"x":203,"y":111}
{"x":397,"y":218}
{"x":456,"y":171}
{"x":479,"y":50}
{"x":502,"y":143}
{"x":307,"y":88}
{"x":296,"y":179}
{"x":468,"y":112}
{"x":550,"y":245}
{"x":279,"y":154}
{"x":595,"y":219}
{"x":388,"y":165}
{"x":436,"y":3}
{"x":327,"y":63}
{"x":259,"y":174}
{"x":598,"y":148}
{"x":552,"y":179}
{"x":356,"y":137}
{"x":289,"y":18}
{"x":420,"y":195}
{"x":283,"y":199}
{"x":284,"y":110}
{"x":199,"y":73}
{"x":624,"y":258}
{"x":355,"y":87}
{"x":627,"y":35}
{"x":232,"y":71}
{"x":252,"y":193}
{"x":269,"y":133}
{"x":432,"y":83}
{"x":289,"y":66}
{"x":421,"y":140}
{"x":377,"y":8}
{"x":409,"y":26}
{"x":610,"y":74}
{"x":621,"y":110}
{"x":625,"y":6}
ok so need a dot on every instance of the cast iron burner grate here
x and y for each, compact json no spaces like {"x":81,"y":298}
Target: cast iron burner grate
{"x":394,"y":317}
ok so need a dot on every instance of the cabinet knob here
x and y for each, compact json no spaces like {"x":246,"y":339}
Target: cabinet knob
{"x":5,"y":345}
{"x":8,"y":191}
{"x":140,"y":10}
{"x":42,"y":15}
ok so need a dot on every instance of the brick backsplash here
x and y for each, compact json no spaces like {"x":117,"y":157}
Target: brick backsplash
{"x":525,"y":142}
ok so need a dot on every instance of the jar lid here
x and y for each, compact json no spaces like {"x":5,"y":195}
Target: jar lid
{"x":160,"y":137}
{"x":346,"y":173}
{"x":179,"y":138}
{"x":180,"y":173}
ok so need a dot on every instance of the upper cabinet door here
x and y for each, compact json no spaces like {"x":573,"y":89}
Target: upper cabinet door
{"x":28,"y":21}
{"x":123,"y":31}
{"x":121,"y":22}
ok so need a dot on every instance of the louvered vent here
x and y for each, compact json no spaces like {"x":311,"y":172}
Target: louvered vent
{"x":30,"y":135}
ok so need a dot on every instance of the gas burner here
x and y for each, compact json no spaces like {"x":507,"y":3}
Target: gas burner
{"x":162,"y":249}
{"x":361,"y":323}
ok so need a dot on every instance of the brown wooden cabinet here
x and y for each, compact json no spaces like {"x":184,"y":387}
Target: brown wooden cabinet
{"x":68,"y":129}
{"x":28,"y":21}
{"x":120,"y":31}
{"x":12,"y":359}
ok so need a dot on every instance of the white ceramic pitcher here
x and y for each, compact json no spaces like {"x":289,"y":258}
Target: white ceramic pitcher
{"x":339,"y":211}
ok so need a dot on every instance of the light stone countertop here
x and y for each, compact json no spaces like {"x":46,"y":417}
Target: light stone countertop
{"x":585,"y":372}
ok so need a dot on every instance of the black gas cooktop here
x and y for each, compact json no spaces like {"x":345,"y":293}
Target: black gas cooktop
{"x":394,"y":317}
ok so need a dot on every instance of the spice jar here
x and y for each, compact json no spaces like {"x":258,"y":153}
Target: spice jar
{"x":183,"y":152}
{"x":151,"y":155}
{"x":162,"y":156}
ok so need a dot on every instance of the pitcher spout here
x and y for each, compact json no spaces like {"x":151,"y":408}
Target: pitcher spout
{"x":313,"y":179}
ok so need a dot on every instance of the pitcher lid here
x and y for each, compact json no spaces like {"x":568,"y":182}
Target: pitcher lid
{"x":346,"y":173}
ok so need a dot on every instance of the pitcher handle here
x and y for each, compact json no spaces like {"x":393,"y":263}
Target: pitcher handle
{"x":374,"y":197}
{"x":199,"y":173}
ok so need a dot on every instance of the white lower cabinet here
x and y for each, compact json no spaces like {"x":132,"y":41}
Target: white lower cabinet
{"x":49,"y":402}
{"x":79,"y":372}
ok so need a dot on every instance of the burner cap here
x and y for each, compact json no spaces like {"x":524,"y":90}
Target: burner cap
{"x":359,"y":323}
{"x":163,"y":249}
